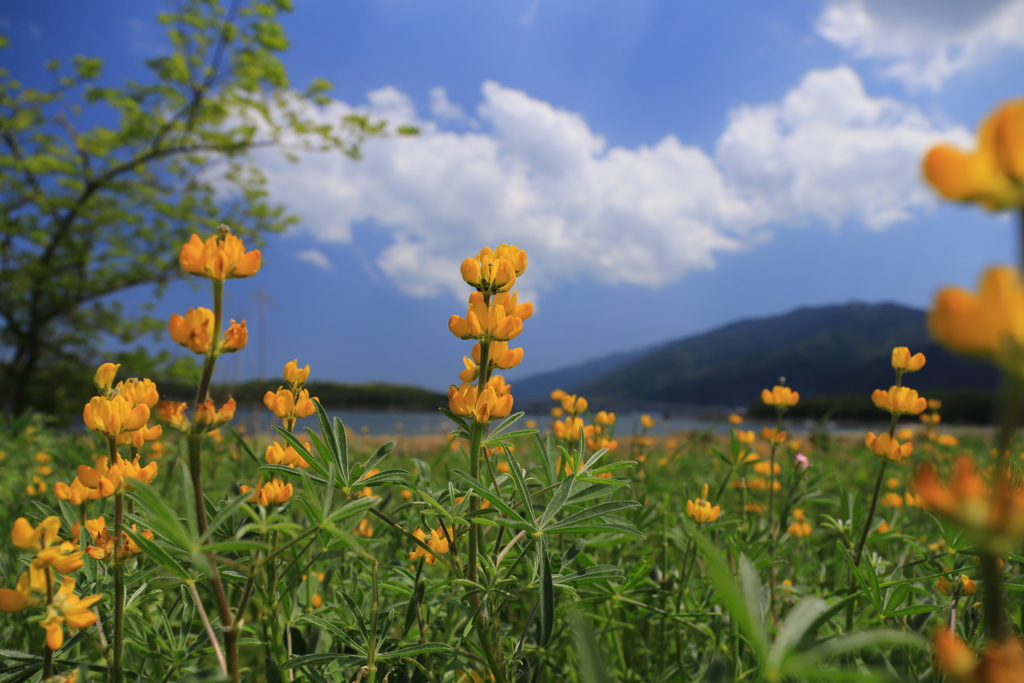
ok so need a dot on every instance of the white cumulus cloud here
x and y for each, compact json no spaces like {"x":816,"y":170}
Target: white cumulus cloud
{"x":442,"y":108}
{"x":924,"y":42}
{"x":316,"y":257}
{"x":538,"y":176}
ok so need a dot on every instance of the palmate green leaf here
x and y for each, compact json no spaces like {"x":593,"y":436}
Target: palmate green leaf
{"x":505,"y":424}
{"x":154,"y":552}
{"x":245,"y":446}
{"x":638,"y":573}
{"x":894,"y":598}
{"x":866,"y":578}
{"x":391,"y":476}
{"x":314,"y":463}
{"x":294,"y":472}
{"x":514,"y":519}
{"x":163,"y":520}
{"x":544,"y":448}
{"x":599,"y":572}
{"x":558,"y":499}
{"x":415,"y":651}
{"x":321,"y":659}
{"x":802,"y":664}
{"x":744,"y":612}
{"x":334,"y":631}
{"x":457,"y":419}
{"x":596,"y":511}
{"x":225,"y":513}
{"x":792,"y":631}
{"x":517,"y":478}
{"x":379,"y":455}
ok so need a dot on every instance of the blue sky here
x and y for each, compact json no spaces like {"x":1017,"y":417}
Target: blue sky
{"x":669,"y":166}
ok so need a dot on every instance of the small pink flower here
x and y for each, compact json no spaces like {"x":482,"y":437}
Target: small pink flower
{"x":801,"y":460}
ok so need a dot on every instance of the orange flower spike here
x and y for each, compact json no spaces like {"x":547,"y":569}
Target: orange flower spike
{"x":899,"y":400}
{"x":194,"y":331}
{"x":208,"y":417}
{"x":780,"y":396}
{"x":902,"y":361}
{"x":236,"y":337}
{"x":220,"y":257}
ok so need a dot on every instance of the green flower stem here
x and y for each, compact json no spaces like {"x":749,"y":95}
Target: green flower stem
{"x":371,"y":663}
{"x":47,"y":652}
{"x":771,"y":472}
{"x":117,"y":673}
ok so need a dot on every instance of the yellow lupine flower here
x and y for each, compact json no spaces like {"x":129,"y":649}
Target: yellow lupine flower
{"x":107,"y":476}
{"x":220,"y":257}
{"x":902,"y":361}
{"x":574,"y":405}
{"x":209,"y":417}
{"x":700,"y":510}
{"x":35,"y":538}
{"x":70,"y":609}
{"x":437,"y":542}
{"x":295,"y":375}
{"x":993,"y":174}
{"x":605,"y":419}
{"x":886,"y":446}
{"x":112,"y":416}
{"x":235,"y":338}
{"x":735,"y":419}
{"x":283,"y":404}
{"x":646,"y":421}
{"x":780,"y":396}
{"x":764,"y":467}
{"x":104,"y":377}
{"x":77,"y":493}
{"x":30,"y":591}
{"x":494,"y":401}
{"x":276,"y":454}
{"x":745,"y":436}
{"x":139,"y":391}
{"x":485,"y":323}
{"x":194,"y":330}
{"x":989,"y":324}
{"x":104,"y":540}
{"x":273,"y":492}
{"x":892,"y":500}
{"x":899,"y":400}
{"x":488,"y":273}
{"x":799,"y":529}
{"x":173,"y":413}
{"x":510,"y":302}
{"x":770,"y":434}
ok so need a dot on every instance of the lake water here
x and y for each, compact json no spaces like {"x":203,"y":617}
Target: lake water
{"x":416,"y":423}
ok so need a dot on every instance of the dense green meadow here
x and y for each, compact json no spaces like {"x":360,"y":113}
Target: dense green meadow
{"x":584,"y":577}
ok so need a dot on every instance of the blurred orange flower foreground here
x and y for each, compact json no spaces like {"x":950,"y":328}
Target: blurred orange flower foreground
{"x":991,"y":175}
{"x":1001,"y":662}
